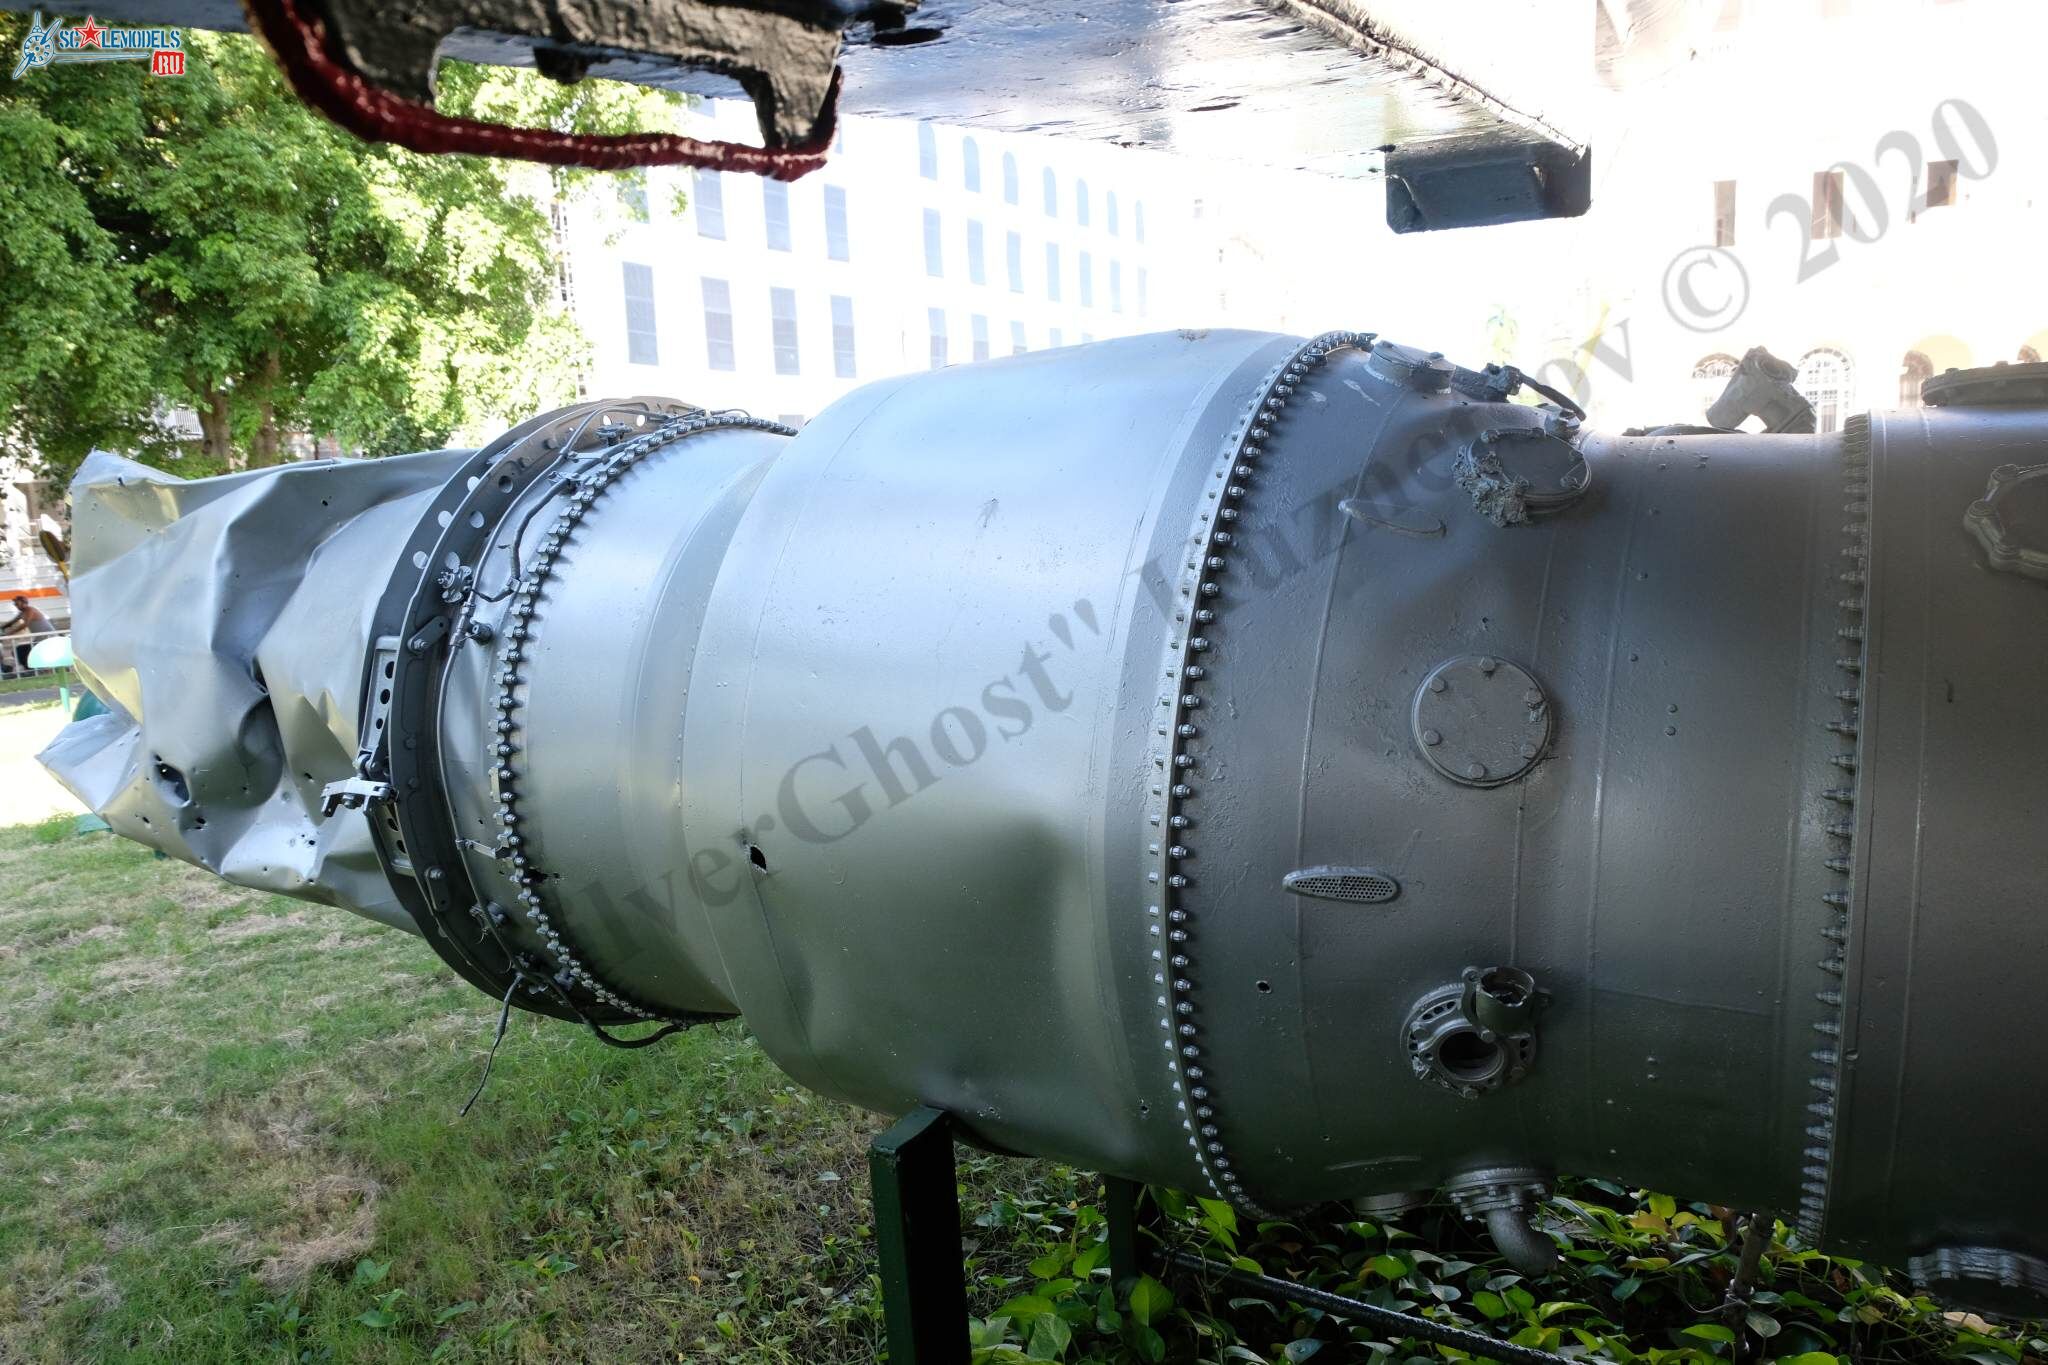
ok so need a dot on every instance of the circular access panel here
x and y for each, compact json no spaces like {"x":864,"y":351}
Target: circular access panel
{"x":1481,"y":721}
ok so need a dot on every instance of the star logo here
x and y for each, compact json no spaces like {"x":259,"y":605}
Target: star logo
{"x":88,"y":33}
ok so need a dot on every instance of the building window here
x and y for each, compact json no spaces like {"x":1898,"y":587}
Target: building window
{"x":641,"y":348}
{"x":708,"y":189}
{"x":1109,"y":213}
{"x":1052,"y":271}
{"x":1053,"y":337}
{"x":1081,"y":202}
{"x":633,"y":192}
{"x":1010,"y":190}
{"x":718,"y":348}
{"x":1086,"y":268}
{"x":775,"y":207}
{"x":1826,"y":378}
{"x":1710,"y":379}
{"x":1013,"y":257}
{"x":836,"y":245}
{"x":1138,"y":221}
{"x":1916,"y":370}
{"x":1144,"y":304}
{"x":842,"y":337}
{"x":977,"y":263}
{"x":1941,"y":184}
{"x":1017,"y":346}
{"x":979,"y":328}
{"x":970,"y":165}
{"x":935,"y":318}
{"x":1724,"y":213}
{"x":934,"y":255}
{"x":1116,"y":286}
{"x":927,"y":152}
{"x":1052,"y":194}
{"x":1827,"y":204}
{"x":782,"y":317}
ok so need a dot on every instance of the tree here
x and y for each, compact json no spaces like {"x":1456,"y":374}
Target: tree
{"x":207,"y":242}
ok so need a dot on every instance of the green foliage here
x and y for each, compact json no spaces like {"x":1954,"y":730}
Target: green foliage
{"x":208,"y":242}
{"x":1642,"y":1279}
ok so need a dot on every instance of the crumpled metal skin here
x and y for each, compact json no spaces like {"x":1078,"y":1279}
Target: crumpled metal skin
{"x":231,"y":669}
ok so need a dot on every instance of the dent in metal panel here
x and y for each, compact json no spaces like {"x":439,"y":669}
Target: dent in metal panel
{"x":207,"y":621}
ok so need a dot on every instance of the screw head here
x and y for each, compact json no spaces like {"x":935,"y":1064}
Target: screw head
{"x":1432,"y":737}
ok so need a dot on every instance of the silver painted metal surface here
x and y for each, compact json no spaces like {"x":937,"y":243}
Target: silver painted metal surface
{"x":985,"y":751}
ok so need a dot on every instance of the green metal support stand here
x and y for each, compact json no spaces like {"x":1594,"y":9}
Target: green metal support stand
{"x":1120,"y":1209}
{"x":917,"y":1229}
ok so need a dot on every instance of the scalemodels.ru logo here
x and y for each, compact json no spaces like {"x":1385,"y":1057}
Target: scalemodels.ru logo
{"x":49,"y":44}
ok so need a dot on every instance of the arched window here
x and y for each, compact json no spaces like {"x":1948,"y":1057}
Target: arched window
{"x":927,"y":151}
{"x":1915,"y":370}
{"x":1109,"y":213}
{"x":1828,"y":381}
{"x":970,"y":165}
{"x":1052,"y":194}
{"x":1081,"y":202}
{"x":1010,"y":191}
{"x":1710,"y":378}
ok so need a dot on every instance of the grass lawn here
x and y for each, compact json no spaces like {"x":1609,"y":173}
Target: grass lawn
{"x":228,"y":1128}
{"x":228,"y":1131}
{"x":36,"y":682}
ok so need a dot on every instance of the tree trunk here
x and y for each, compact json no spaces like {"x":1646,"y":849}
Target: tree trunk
{"x":216,"y":438}
{"x":263,"y":450}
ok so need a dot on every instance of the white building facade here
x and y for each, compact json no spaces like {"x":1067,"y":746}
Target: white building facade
{"x":916,"y":246}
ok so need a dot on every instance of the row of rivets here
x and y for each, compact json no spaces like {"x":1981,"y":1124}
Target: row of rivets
{"x":570,"y":969}
{"x":1207,"y":563}
{"x":1840,"y":861}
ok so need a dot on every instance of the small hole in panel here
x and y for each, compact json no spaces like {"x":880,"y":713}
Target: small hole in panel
{"x":757,"y":857}
{"x":1264,"y":987}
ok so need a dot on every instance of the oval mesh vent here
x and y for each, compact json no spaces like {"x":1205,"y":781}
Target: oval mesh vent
{"x":1362,"y":885}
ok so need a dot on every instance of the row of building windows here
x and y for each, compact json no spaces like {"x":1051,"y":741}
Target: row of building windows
{"x":1830,"y":215}
{"x":708,"y":197}
{"x":1013,"y":266}
{"x":643,"y":342}
{"x":978,"y":345}
{"x":1049,"y":185}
